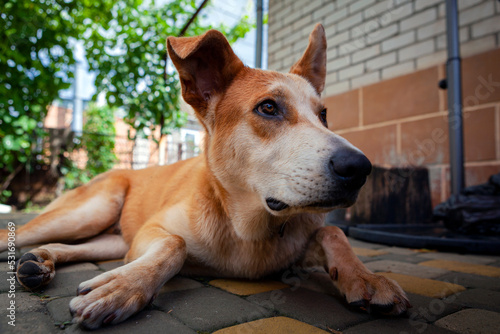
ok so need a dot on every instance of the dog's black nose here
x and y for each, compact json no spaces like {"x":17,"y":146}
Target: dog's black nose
{"x":349,"y":164}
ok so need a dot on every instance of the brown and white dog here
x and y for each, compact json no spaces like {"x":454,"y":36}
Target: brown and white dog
{"x":269,"y":160}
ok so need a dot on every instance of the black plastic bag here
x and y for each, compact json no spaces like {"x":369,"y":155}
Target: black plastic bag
{"x":475,"y":211}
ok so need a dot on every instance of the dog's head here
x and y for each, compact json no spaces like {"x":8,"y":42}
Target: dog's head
{"x":267,"y":131}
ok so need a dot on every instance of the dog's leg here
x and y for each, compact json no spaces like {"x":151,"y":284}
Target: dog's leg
{"x":79,"y":214}
{"x":154,"y":257}
{"x":361,"y":288}
{"x":37,"y":267}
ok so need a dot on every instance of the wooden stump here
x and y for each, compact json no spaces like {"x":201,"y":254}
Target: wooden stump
{"x":394,"y":196}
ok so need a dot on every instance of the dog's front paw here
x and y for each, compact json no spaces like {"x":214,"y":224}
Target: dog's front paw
{"x":108,"y":299}
{"x":35,"y":269}
{"x":374,"y":293}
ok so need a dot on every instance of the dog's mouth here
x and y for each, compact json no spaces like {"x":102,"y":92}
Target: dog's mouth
{"x":276,"y":205}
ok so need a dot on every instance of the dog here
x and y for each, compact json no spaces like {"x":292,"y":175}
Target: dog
{"x":252,"y":204}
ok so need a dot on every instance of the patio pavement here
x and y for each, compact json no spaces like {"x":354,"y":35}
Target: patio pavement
{"x":450,"y":293}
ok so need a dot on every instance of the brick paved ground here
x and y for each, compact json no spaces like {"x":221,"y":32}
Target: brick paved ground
{"x":450,"y":293}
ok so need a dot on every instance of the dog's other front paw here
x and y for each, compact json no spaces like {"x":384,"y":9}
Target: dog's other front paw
{"x":35,"y":269}
{"x":108,"y":299}
{"x":374,"y":293}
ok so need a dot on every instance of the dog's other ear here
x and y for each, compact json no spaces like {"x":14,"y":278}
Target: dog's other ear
{"x":312,"y":65}
{"x":206,"y":66}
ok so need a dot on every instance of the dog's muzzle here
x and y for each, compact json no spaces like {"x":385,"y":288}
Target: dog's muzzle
{"x":349,"y":168}
{"x":346,"y":172}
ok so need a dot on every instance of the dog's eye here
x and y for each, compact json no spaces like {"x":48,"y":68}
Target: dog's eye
{"x":268,"y":108}
{"x":322,"y":117}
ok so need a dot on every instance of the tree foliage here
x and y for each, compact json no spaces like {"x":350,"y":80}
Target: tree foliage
{"x":35,"y":64}
{"x":130,"y":55}
{"x":98,"y":142}
{"x":125,"y":45}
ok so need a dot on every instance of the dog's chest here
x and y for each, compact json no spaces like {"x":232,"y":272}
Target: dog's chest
{"x":231,"y":256}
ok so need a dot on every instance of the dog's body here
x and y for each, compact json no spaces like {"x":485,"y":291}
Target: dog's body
{"x":251,"y":205}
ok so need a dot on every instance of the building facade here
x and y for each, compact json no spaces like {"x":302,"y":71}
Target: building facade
{"x":384,"y":61}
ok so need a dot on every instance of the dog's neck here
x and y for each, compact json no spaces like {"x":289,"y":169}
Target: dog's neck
{"x":244,"y":209}
{"x":251,"y":220}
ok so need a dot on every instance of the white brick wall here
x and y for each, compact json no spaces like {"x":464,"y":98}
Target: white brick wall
{"x":374,"y":40}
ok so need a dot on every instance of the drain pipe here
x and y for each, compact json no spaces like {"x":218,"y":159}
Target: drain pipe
{"x":258,"y":40}
{"x":454,"y":86}
{"x":77,"y":122}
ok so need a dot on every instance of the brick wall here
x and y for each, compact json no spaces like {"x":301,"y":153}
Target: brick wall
{"x":385,"y":59}
{"x":370,"y":41}
{"x":404,"y":121}
{"x":58,"y":117}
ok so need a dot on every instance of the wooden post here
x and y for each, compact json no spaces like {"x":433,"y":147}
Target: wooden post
{"x":394,"y":196}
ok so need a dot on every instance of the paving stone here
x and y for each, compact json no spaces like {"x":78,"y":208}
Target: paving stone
{"x":275,"y":325}
{"x":180,"y":283}
{"x":30,"y":322}
{"x":363,"y":244}
{"x":398,"y":257}
{"x":399,"y":250}
{"x":477,"y":259}
{"x":4,"y":256}
{"x":424,"y":286}
{"x":314,"y":308}
{"x":367,"y":252}
{"x":65,"y":284}
{"x":366,"y":259}
{"x":478,"y":298}
{"x":69,"y":268}
{"x":428,"y":309}
{"x":5,"y":266}
{"x":405,"y":268}
{"x":396,"y":326}
{"x":246,"y":287}
{"x":110,"y":265}
{"x":24,"y":302}
{"x":5,"y":278}
{"x":319,"y":282}
{"x":59,"y":309}
{"x":463,"y":267}
{"x":146,"y":321}
{"x":315,"y":279}
{"x":471,"y":321}
{"x":472,"y":281}
{"x":208,"y":309}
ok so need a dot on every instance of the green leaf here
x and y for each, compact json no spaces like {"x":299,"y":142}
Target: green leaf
{"x":10,"y":143}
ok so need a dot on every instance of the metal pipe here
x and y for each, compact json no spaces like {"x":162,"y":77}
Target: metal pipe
{"x":454,"y":83}
{"x":258,"y":40}
{"x":77,"y":122}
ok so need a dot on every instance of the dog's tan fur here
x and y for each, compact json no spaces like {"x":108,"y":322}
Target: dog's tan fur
{"x":208,"y":215}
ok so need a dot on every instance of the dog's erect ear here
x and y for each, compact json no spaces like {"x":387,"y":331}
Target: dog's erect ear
{"x":312,"y":65}
{"x":206,"y":65}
